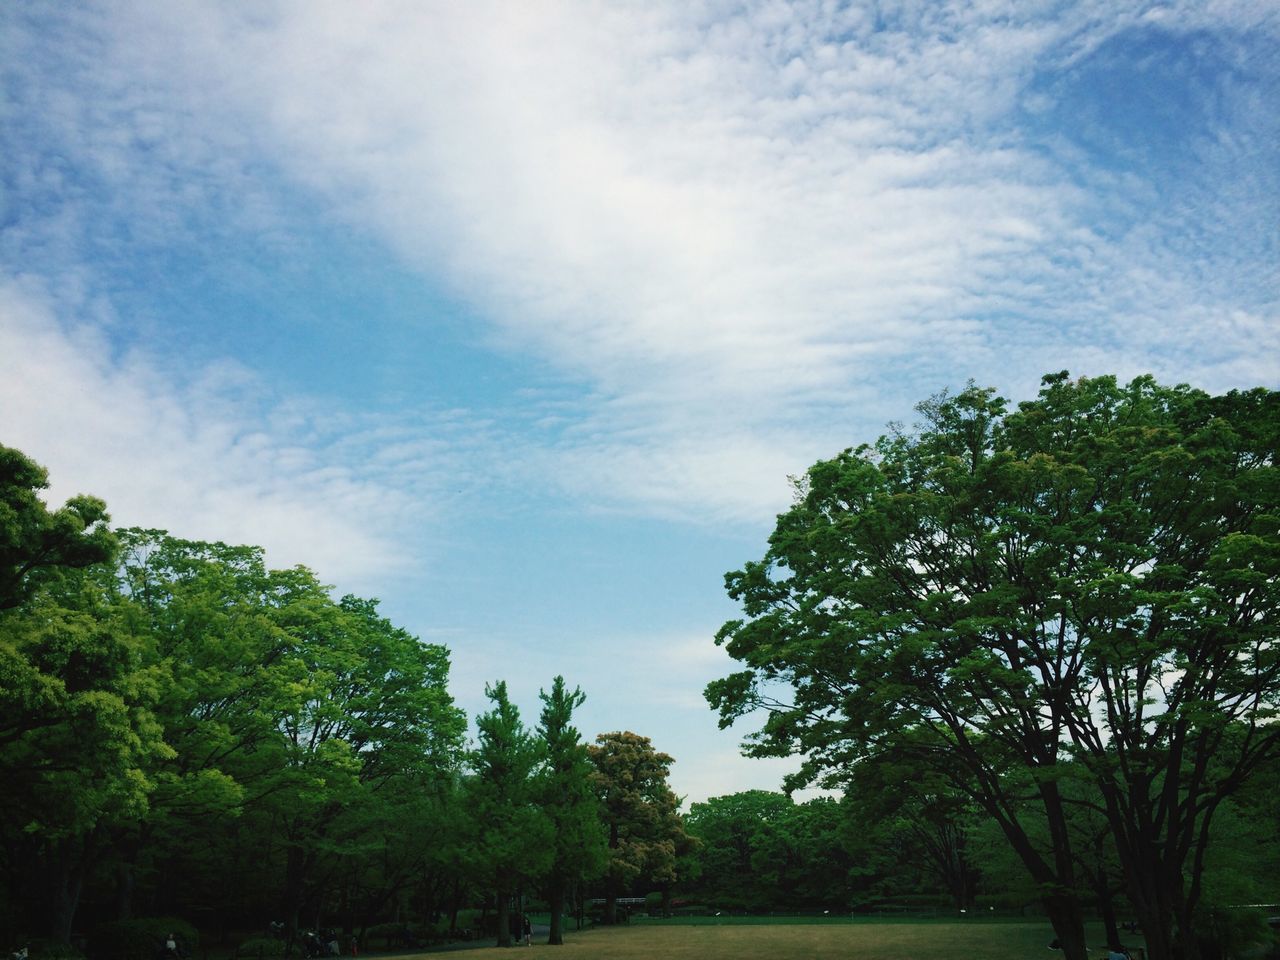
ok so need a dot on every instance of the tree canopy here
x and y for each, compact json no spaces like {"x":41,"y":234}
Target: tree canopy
{"x":640,"y":811}
{"x":1083,"y":586}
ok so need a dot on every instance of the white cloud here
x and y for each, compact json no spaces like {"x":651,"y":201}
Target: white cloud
{"x":217,"y":457}
{"x":728,"y":220}
{"x":756,"y":232}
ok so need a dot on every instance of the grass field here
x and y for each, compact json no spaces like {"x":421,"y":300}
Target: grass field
{"x":806,"y":941}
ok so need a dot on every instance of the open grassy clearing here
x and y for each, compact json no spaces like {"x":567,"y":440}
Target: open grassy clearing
{"x":812,"y":941}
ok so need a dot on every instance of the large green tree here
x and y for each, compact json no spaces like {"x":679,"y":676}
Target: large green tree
{"x":78,"y":734}
{"x":566,"y":795}
{"x":646,"y":834}
{"x":513,"y":837}
{"x":1091,"y":577}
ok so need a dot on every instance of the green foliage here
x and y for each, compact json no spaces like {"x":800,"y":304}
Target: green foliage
{"x":36,"y":544}
{"x":149,"y":704}
{"x":43,"y":948}
{"x":565,"y":792}
{"x":760,"y":851}
{"x":1233,"y":933}
{"x":143,"y":938}
{"x":646,"y":835}
{"x":1085,"y":587}
{"x":260,"y":947}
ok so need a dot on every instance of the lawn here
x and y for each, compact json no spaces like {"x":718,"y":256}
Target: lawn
{"x":811,"y":941}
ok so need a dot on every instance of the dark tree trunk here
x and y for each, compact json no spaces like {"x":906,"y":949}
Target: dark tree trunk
{"x":295,"y":877}
{"x":1107,"y":909}
{"x":71,"y":864}
{"x":556,"y":901}
{"x":126,"y":884}
{"x":611,"y":905}
{"x":504,"y":917}
{"x":1060,"y":902}
{"x":455,"y":904}
{"x":1068,"y":925}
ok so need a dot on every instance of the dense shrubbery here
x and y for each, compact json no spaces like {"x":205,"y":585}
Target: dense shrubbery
{"x":141,"y":939}
{"x":42,"y":948}
{"x":260,"y":947}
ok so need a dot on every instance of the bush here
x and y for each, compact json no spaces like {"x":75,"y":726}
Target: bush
{"x":42,"y":949}
{"x":140,"y":939}
{"x":261,"y":947}
{"x":1228,"y":933}
{"x":399,"y":934}
{"x":469,"y":919}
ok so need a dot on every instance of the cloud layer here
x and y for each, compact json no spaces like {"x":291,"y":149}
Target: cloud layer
{"x":749,"y":229}
{"x":714,"y":241}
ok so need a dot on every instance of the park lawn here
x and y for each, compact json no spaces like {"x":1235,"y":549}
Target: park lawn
{"x":815,"y":941}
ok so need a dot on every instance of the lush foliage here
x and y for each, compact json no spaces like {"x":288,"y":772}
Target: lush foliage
{"x":566,"y":794}
{"x":1035,"y":650}
{"x":644,"y":829}
{"x":189,"y":733}
{"x":1082,"y":589}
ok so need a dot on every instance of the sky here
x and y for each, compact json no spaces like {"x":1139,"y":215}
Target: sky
{"x":518,"y":316}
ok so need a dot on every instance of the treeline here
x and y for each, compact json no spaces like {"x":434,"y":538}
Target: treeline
{"x":902,"y":841}
{"x":187,"y":733}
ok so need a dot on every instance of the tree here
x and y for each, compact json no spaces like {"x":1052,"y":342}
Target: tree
{"x":641,"y":813}
{"x":514,"y":839}
{"x":919,"y":815}
{"x":1091,"y":578}
{"x":77,"y":731}
{"x":760,"y":851}
{"x":317,"y":724}
{"x":35,"y":542}
{"x":568,"y":800}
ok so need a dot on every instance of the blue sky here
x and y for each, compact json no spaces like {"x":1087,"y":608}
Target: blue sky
{"x":518,"y":316}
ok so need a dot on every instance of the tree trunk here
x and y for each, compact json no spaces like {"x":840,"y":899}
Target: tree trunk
{"x":1107,"y":909}
{"x":1060,"y":900}
{"x":1068,"y":925}
{"x":295,"y":876}
{"x":455,"y":903}
{"x":72,"y":861}
{"x":504,"y":917}
{"x":125,"y":886}
{"x":556,"y":937}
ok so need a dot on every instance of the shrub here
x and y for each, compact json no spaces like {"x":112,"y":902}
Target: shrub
{"x":1227,"y":933}
{"x":469,"y":919}
{"x":261,"y":947}
{"x":42,"y":949}
{"x":141,"y":939}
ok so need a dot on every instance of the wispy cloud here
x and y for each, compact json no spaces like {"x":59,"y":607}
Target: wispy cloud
{"x":218,"y":457}
{"x":754,"y":232}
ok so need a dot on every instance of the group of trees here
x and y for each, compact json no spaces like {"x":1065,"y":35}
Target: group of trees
{"x":1063,"y":614}
{"x":761,"y":852}
{"x":1033,"y":648}
{"x":187,"y":732}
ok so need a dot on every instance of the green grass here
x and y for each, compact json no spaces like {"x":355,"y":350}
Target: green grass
{"x":789,"y":940}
